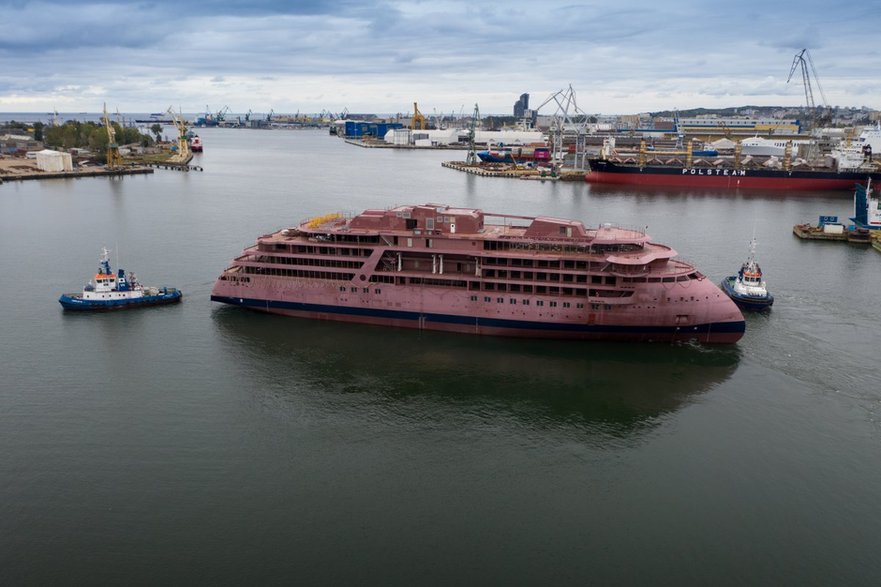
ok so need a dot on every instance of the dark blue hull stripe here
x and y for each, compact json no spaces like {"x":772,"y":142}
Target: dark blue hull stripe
{"x":715,"y":328}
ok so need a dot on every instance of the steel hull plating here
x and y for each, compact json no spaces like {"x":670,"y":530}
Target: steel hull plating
{"x":608,"y":172}
{"x":639,"y":327}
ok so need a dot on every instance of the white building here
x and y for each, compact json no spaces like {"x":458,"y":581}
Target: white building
{"x":54,"y":161}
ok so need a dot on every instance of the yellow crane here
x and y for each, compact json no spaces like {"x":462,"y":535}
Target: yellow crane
{"x":114,"y":159}
{"x":183,"y":147}
{"x":418,"y":120}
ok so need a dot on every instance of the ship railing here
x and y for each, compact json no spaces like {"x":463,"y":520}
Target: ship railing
{"x":333,"y":219}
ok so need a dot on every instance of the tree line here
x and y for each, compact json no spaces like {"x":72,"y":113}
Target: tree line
{"x":89,"y":135}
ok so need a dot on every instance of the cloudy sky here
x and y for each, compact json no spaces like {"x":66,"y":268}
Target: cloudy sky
{"x":382,"y":55}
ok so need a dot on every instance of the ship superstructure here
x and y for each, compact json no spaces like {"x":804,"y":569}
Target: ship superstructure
{"x":460,"y":269}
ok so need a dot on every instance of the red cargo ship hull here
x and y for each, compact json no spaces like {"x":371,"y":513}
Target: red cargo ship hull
{"x":608,"y":172}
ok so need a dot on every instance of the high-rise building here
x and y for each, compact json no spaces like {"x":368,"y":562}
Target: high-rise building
{"x":521,"y":106}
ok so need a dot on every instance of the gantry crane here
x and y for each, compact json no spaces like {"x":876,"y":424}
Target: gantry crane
{"x":221,"y":114}
{"x":114,"y":159}
{"x":183,"y":147}
{"x":807,"y":67}
{"x":472,"y":133}
{"x":418,"y":120}
{"x":568,"y":119}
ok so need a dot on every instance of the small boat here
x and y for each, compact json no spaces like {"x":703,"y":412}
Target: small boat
{"x":117,"y":292}
{"x":196,"y":144}
{"x":747,"y":289}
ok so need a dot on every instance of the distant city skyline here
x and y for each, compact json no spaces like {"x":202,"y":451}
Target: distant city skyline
{"x":381,"y":56}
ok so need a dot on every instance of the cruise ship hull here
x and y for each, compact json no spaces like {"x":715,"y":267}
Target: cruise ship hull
{"x":433,"y":267}
{"x":607,"y":172}
{"x":726,"y":327}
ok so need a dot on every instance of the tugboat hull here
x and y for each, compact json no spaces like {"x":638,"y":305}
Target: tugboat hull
{"x":76,"y":303}
{"x":750,"y":303}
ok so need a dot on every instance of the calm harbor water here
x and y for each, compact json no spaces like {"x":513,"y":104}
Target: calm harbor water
{"x":200,"y":444}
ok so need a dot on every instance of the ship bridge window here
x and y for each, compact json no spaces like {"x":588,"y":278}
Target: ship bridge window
{"x":410,"y":223}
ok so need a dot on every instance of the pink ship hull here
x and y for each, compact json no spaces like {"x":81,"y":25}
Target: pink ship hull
{"x":435,"y":267}
{"x":691,"y":317}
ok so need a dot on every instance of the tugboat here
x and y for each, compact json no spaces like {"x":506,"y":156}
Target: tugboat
{"x":118,"y":292}
{"x":747,"y":289}
{"x":196,"y":144}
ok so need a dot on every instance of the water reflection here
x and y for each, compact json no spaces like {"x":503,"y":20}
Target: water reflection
{"x":679,"y":193}
{"x":613,"y":388}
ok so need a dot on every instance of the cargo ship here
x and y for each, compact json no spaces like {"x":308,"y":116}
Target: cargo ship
{"x":437,"y":267}
{"x":675,"y":169}
{"x":518,"y":154}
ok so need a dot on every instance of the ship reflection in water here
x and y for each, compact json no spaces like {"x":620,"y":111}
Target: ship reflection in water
{"x":606,"y":389}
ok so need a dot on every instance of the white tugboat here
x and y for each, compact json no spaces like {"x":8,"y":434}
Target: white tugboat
{"x":748,"y":288}
{"x":117,"y":292}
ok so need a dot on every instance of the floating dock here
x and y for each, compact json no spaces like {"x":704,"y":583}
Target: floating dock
{"x":175,"y":166}
{"x":851,"y":235}
{"x":87,"y":172}
{"x":811,"y":232}
{"x":509,"y":170}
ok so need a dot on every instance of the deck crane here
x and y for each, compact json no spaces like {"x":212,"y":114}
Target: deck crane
{"x":807,"y":68}
{"x":183,"y":147}
{"x":113,"y":157}
{"x":418,"y":120}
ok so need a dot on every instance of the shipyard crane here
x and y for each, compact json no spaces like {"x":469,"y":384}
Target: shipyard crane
{"x":567,"y":118}
{"x":803,"y":61}
{"x":221,"y":114}
{"x":269,"y":116}
{"x":114,"y":159}
{"x":183,"y":147}
{"x":472,"y":133}
{"x":418,"y":120}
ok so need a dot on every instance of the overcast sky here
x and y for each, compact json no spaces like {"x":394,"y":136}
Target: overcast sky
{"x":381,"y":56}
